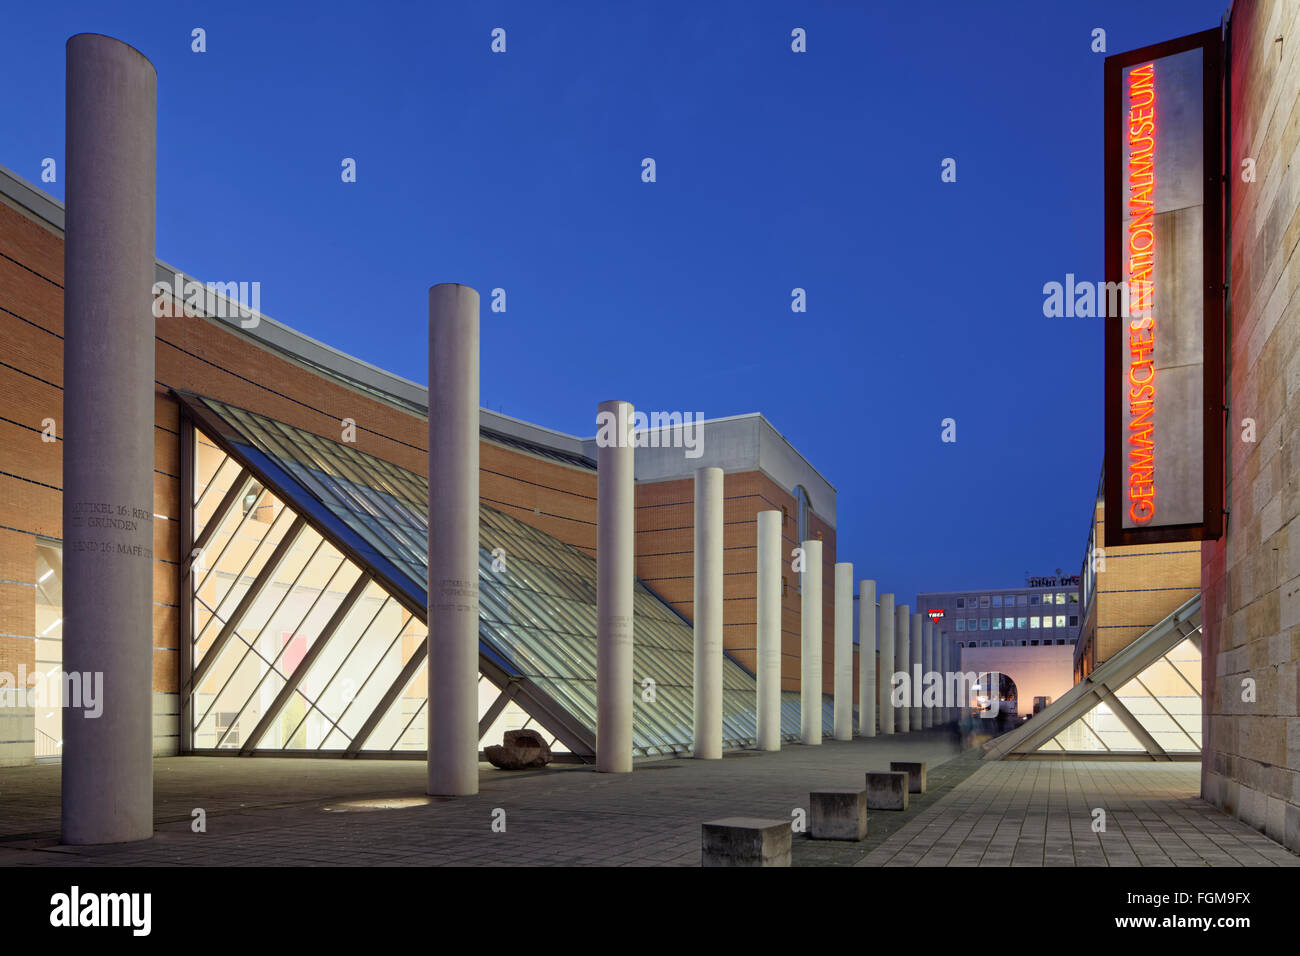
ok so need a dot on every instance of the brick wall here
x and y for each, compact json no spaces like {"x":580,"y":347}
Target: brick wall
{"x":665,"y":561}
{"x":1139,"y":587}
{"x":1251,"y":578}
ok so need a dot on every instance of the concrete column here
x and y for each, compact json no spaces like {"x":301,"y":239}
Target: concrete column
{"x":902,"y":664}
{"x":949,"y":710}
{"x":708,"y":613}
{"x":917,"y":635}
{"x":768,"y":705}
{"x":936,"y":638}
{"x":867,"y":659}
{"x":927,"y":666}
{"x":885,"y":666}
{"x":615,"y":573}
{"x":453,"y":539}
{"x":843,"y":650}
{"x":108,"y":449}
{"x":810,"y":651}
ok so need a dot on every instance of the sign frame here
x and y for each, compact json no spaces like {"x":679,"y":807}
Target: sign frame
{"x":1210,"y":527}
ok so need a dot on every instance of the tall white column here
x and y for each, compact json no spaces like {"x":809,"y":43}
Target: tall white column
{"x":810,"y":654}
{"x":903,"y":665}
{"x":843,"y":686}
{"x":940,"y":665}
{"x":946,"y":641}
{"x":867,"y":659}
{"x":108,"y":430}
{"x":927,"y":666}
{"x":453,"y":539}
{"x":917,"y":636}
{"x":708,"y":613}
{"x":615,"y":573}
{"x":768,"y":705}
{"x":887,"y":664}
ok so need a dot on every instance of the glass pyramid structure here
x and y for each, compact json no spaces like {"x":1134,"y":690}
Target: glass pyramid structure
{"x":304,"y":631}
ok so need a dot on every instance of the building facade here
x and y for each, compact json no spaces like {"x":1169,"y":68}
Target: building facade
{"x":288,"y":525}
{"x":1251,"y":576}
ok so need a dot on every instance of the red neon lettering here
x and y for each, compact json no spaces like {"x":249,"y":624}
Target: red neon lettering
{"x":1141,"y":264}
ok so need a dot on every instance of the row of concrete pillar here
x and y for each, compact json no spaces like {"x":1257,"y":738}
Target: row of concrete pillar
{"x":108,"y":399}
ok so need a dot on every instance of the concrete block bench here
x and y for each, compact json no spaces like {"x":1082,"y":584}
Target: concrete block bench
{"x":886,"y":790}
{"x":915,"y":774}
{"x":745,"y":841}
{"x":837,"y":814}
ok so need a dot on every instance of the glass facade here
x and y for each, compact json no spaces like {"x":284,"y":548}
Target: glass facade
{"x":1164,"y":699}
{"x":307,"y":630}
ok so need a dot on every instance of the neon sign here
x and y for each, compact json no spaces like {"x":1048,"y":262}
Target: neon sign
{"x":1142,"y":325}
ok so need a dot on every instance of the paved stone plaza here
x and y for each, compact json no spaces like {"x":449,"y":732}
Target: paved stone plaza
{"x":1041,"y":813}
{"x":277,"y":811}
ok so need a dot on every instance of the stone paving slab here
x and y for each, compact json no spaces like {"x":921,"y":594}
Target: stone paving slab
{"x":1032,"y":813}
{"x":330,"y":812}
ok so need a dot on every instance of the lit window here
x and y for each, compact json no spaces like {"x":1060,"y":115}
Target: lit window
{"x":1011,"y":622}
{"x":1021,"y":621}
{"x":1060,"y":597}
{"x":1074,"y":597}
{"x":1060,"y":620}
{"x":997,"y":624}
{"x":1033,"y":621}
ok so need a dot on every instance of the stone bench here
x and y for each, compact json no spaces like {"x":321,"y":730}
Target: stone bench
{"x":837,"y":814}
{"x":745,"y":841}
{"x":886,"y":790}
{"x":915,"y":774}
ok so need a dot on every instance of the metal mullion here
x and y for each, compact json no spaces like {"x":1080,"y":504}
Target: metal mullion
{"x":252,"y":644}
{"x":1134,"y":725}
{"x":185,"y":573}
{"x":273,"y":661}
{"x":338,"y":723}
{"x":407,"y":726}
{"x":1176,"y":722}
{"x":404,"y":677}
{"x":1195,"y":690}
{"x":333,"y":677}
{"x":496,"y":708}
{"x":317,"y":647}
{"x":247,"y":516}
{"x":228,"y":501}
{"x":240,"y":574}
{"x":195,"y":503}
{"x":254,"y":591}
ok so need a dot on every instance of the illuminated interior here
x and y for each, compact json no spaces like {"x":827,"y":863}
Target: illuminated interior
{"x":306,"y":627}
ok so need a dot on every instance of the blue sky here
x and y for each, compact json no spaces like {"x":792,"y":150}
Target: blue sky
{"x":775,"y":170}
